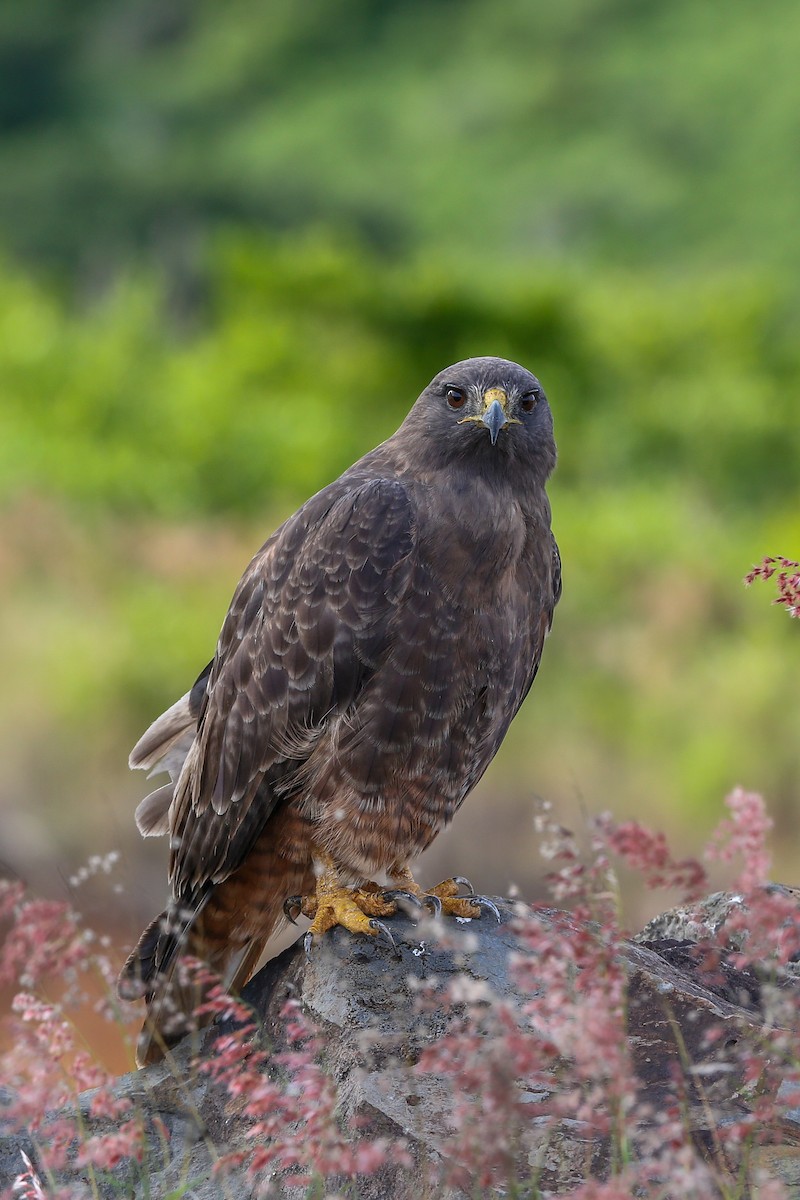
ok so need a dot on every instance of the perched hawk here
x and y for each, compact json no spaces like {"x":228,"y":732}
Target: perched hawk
{"x":374,"y":654}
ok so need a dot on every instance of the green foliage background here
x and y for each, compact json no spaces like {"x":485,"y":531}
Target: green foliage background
{"x":239,"y":242}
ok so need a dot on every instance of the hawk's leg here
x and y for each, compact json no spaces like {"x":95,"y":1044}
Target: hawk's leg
{"x":445,"y":895}
{"x":356,"y":909}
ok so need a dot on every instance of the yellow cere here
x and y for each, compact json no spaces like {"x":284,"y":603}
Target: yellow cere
{"x":489,"y":397}
{"x":493,"y":394}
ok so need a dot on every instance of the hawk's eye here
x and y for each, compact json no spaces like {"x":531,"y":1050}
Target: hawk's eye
{"x":528,"y":402}
{"x":455,"y":397}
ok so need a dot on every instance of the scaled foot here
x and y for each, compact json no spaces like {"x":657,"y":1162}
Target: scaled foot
{"x":359,"y":909}
{"x":355,"y":909}
{"x":444,"y":897}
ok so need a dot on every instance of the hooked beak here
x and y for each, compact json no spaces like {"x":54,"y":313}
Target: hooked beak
{"x":494,"y":413}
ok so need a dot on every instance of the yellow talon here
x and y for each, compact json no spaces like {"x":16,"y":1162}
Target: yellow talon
{"x":352,"y":908}
{"x":445,"y":893}
{"x":358,"y":909}
{"x":452,"y":904}
{"x":355,"y":909}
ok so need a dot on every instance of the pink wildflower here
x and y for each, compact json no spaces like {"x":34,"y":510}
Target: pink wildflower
{"x":788,"y":580}
{"x":45,"y":940}
{"x":646,"y":852}
{"x":743,"y":835}
{"x":295,"y":1125}
{"x":28,"y":1185}
{"x":107,"y":1150}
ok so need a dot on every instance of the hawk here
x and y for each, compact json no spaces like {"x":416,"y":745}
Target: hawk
{"x":374,"y":654}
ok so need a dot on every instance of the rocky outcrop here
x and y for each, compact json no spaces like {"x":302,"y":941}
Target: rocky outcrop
{"x":365,"y":1000}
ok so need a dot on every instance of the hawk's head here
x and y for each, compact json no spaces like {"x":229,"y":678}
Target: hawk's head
{"x":488,"y":409}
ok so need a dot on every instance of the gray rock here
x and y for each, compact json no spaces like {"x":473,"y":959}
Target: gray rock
{"x":365,"y":1001}
{"x":704,"y":918}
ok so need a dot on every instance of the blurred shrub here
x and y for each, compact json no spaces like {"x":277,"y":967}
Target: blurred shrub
{"x":312,"y":353}
{"x":605,"y":130}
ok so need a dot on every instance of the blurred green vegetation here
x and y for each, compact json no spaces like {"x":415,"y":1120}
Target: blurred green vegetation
{"x":239,"y":241}
{"x":314,"y":351}
{"x":634,"y":130}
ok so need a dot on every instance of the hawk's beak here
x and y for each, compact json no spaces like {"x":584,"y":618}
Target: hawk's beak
{"x":494,"y":415}
{"x":494,"y":412}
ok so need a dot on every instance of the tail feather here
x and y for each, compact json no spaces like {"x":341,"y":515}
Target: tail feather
{"x":152,"y":813}
{"x":153,"y":972}
{"x":139,"y":968}
{"x":164,"y":746}
{"x":172,"y":1007}
{"x":225,"y":926}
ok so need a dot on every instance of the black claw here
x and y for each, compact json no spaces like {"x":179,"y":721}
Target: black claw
{"x":465,"y":883}
{"x":384,"y":929}
{"x":406,"y":900}
{"x":307,"y":940}
{"x":291,"y":903}
{"x":485,"y":902}
{"x":434,"y":904}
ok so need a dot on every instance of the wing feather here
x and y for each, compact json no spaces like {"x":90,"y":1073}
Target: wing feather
{"x":307,"y":625}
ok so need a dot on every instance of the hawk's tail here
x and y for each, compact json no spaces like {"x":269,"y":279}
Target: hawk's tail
{"x":160,"y":971}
